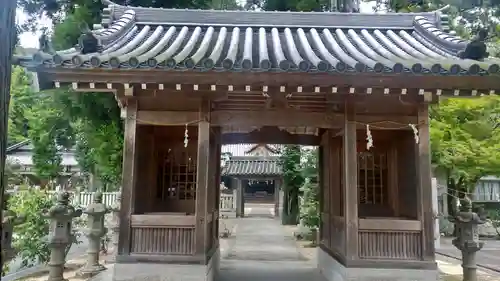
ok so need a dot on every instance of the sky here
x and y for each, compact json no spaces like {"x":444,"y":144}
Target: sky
{"x":30,"y":40}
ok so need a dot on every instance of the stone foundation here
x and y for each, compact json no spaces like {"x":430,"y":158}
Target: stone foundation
{"x":162,"y":271}
{"x":332,"y":270}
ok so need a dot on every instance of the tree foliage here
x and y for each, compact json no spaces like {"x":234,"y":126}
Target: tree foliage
{"x":90,"y":122}
{"x":48,"y":131}
{"x":292,"y":181}
{"x":61,"y":11}
{"x":465,"y":141}
{"x":309,"y":208}
{"x":288,"y":5}
{"x":31,"y":236}
{"x":21,"y":101}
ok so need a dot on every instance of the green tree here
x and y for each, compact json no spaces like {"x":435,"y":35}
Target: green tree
{"x":31,"y":236}
{"x":60,"y":11}
{"x":288,"y":5}
{"x":225,"y":5}
{"x":465,"y":142}
{"x":49,"y":133}
{"x":292,"y":181}
{"x":89,"y":121}
{"x":309,"y":208}
{"x":21,"y":101}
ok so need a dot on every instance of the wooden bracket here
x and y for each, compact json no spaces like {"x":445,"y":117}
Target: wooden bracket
{"x":128,"y":91}
{"x":277,"y":100}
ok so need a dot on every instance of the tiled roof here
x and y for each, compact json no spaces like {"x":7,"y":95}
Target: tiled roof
{"x":243,"y":149}
{"x":247,"y":166}
{"x":150,"y":38}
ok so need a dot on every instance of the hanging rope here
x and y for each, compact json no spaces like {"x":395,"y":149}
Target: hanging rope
{"x":369,"y":138}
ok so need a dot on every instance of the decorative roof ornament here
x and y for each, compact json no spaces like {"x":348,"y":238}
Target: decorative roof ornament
{"x":88,"y":43}
{"x":45,"y":45}
{"x":476,"y":49}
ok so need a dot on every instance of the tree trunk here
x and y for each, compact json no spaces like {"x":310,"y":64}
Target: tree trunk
{"x":284,"y":212}
{"x":7,"y":33}
{"x":294,"y":207}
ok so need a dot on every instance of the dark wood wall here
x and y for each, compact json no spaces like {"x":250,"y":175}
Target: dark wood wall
{"x":386,"y":226}
{"x":166,"y":177}
{"x":407,"y":177}
{"x":332,"y":205}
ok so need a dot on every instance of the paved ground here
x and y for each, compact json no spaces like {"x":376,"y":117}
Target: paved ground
{"x":75,"y":251}
{"x":489,"y":256}
{"x":451,"y":270}
{"x":263,"y":250}
{"x":16,"y":271}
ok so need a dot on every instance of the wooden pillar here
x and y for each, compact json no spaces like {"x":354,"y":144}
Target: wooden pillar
{"x":202,"y":182}
{"x":240,"y":206}
{"x":7,"y":33}
{"x":350,"y":183}
{"x":321,"y":183}
{"x":425,"y":210}
{"x":129,"y":177}
{"x":326,"y":142}
{"x":217,"y":147}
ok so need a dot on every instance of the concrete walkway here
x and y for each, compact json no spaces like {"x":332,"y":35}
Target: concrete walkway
{"x":488,"y":257}
{"x":262,"y":250}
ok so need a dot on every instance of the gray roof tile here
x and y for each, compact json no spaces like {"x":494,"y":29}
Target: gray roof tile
{"x":247,"y":166}
{"x":315,"y":42}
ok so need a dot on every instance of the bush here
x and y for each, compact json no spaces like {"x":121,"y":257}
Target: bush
{"x":30,"y":238}
{"x":494,"y":217}
{"x":309,"y":209}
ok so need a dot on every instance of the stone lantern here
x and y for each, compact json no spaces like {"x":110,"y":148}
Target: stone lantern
{"x":115,"y":229}
{"x":60,"y":235}
{"x":95,"y":231}
{"x":9,"y":220}
{"x":467,"y":238}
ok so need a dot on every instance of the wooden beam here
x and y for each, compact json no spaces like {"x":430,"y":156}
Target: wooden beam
{"x":167,"y":118}
{"x":278,"y":100}
{"x":272,"y":79}
{"x":350,"y":184}
{"x":255,"y":137}
{"x":425,"y":211}
{"x":128,"y":178}
{"x":282,"y":118}
{"x":202,"y":180}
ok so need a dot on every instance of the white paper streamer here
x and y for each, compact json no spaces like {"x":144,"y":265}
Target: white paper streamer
{"x":186,"y":136}
{"x":415,"y":132}
{"x":369,"y":139}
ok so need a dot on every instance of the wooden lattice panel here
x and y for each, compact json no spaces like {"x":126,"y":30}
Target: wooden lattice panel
{"x":163,"y":240}
{"x":178,"y":178}
{"x":372,"y":178}
{"x":401,"y":245}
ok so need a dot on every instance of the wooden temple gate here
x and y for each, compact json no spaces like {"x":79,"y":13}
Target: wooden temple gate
{"x":356,"y":85}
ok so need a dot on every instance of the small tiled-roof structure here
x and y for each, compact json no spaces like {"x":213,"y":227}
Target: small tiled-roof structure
{"x":272,"y":150}
{"x":252,"y":166}
{"x":201,"y":40}
{"x":244,"y":149}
